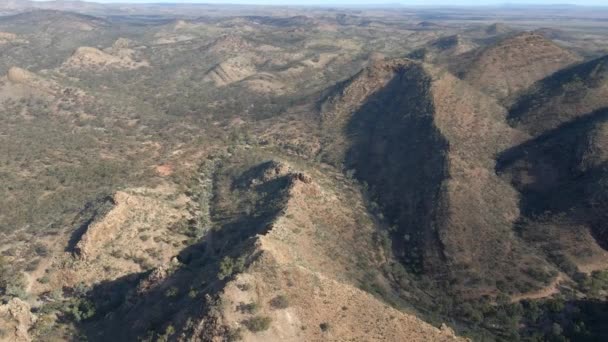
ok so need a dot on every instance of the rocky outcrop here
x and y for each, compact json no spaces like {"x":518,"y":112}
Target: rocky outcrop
{"x":133,"y":213}
{"x":231,"y":71}
{"x":16,"y":319}
{"x":89,"y":57}
{"x":18,"y":75}
{"x":6,"y":37}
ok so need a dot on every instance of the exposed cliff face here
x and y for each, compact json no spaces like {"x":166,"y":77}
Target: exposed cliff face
{"x":515,"y":63}
{"x":425,"y":143}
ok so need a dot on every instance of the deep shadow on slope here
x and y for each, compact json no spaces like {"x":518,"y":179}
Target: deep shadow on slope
{"x":178,"y":301}
{"x":549,"y":172}
{"x":561,"y":97}
{"x":92,"y":211}
{"x":398,"y":151}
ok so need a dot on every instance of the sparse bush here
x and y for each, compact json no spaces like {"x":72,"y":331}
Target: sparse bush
{"x":169,"y":331}
{"x":41,"y":250}
{"x":258,"y":323}
{"x":250,"y":308}
{"x":244,"y":287}
{"x":172,"y":292}
{"x":234,"y":335}
{"x":280,"y":302}
{"x":192,"y":293}
{"x":324,"y":326}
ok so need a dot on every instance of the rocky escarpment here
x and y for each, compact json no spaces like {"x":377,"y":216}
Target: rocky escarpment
{"x":16,"y":319}
{"x":294,"y":251}
{"x":135,"y":230}
{"x":425,"y":142}
{"x":515,"y":63}
{"x":275,"y":227}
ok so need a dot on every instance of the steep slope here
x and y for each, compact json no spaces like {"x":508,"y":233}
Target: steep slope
{"x":283,"y":261}
{"x":562,"y":175}
{"x":561,"y":97}
{"x":515,"y":63}
{"x":325,"y":304}
{"x":562,"y":171}
{"x":425,"y":144}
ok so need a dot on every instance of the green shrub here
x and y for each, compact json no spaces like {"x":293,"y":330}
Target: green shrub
{"x":80,"y":309}
{"x":230,"y":266}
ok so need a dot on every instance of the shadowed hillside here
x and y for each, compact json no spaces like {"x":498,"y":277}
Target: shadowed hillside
{"x":433,"y":177}
{"x":563,"y":96}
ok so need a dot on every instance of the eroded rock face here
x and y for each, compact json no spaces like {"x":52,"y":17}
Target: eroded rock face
{"x":103,"y":231}
{"x":231,"y":70}
{"x":122,"y":227}
{"x":16,"y":319}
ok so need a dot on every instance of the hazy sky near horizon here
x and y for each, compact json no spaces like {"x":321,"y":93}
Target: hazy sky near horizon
{"x":370,"y":2}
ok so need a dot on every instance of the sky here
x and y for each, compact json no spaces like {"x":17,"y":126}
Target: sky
{"x":368,"y":2}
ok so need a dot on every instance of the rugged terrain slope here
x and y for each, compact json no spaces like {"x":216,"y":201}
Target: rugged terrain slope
{"x":515,"y":63}
{"x":425,"y":144}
